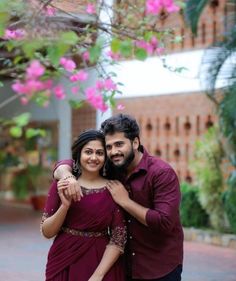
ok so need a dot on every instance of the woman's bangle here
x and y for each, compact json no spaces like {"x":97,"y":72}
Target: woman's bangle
{"x":68,"y":177}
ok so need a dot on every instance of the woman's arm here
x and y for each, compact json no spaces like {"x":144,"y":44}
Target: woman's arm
{"x":115,"y":247}
{"x":109,"y":257}
{"x":52,"y":225}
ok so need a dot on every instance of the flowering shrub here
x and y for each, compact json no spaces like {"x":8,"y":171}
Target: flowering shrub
{"x":42,"y":43}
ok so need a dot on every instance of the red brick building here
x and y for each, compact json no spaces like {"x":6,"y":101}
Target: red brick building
{"x":171,"y":123}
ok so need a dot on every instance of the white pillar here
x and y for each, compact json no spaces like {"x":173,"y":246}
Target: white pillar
{"x":64,"y":145}
{"x":105,"y":17}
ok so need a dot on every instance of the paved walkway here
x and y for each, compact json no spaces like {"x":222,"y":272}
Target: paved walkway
{"x":23,"y":252}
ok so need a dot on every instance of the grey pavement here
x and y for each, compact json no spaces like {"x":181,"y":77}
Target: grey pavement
{"x":23,"y":251}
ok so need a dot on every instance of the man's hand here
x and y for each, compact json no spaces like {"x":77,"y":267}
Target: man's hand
{"x":118,"y":192}
{"x":71,"y":188}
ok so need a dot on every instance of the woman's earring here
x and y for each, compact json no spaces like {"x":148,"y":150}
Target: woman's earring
{"x":104,"y":171}
{"x":76,"y":168}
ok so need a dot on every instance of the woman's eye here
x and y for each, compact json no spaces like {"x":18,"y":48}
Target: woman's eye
{"x":100,"y":153}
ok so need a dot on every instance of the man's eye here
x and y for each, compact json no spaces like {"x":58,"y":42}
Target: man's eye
{"x":108,"y":147}
{"x":119,"y":144}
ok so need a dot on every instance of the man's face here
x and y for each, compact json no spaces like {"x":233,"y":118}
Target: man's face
{"x":119,"y":150}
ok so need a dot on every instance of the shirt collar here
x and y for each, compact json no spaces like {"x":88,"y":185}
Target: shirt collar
{"x":143,"y":164}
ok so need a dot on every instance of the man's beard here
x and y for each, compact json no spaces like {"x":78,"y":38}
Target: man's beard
{"x":121,"y":170}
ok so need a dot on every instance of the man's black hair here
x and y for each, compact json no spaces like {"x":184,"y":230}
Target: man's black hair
{"x":121,"y":123}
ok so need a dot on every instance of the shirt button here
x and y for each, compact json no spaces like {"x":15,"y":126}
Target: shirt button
{"x":130,"y":237}
{"x":133,"y":254}
{"x":129,"y":221}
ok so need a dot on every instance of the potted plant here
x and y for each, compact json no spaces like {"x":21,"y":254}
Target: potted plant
{"x":38,"y":179}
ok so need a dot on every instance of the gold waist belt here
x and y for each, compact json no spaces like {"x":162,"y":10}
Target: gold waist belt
{"x":84,"y":233}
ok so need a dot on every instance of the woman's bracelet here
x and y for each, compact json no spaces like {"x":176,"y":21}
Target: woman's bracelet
{"x":68,"y":177}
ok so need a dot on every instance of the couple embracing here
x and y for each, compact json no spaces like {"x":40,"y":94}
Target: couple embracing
{"x":114,"y":210}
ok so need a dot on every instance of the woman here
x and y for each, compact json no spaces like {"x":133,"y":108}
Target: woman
{"x":82,"y":249}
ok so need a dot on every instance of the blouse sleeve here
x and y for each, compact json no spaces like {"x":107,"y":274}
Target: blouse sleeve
{"x":118,"y":229}
{"x":53,"y":202}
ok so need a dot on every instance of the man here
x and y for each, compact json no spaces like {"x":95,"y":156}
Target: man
{"x":150,"y":195}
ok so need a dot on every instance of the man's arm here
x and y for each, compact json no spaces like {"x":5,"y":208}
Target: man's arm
{"x":67,"y":181}
{"x":62,"y":169}
{"x":166,"y":200}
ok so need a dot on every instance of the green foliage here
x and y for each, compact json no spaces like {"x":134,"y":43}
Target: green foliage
{"x":227,"y":114}
{"x":191,"y":212}
{"x":20,"y":185}
{"x":193,"y":11}
{"x":209,"y":178}
{"x":17,"y":127}
{"x":229,"y":199}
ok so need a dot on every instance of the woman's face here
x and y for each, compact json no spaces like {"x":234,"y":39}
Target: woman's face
{"x":92,"y":157}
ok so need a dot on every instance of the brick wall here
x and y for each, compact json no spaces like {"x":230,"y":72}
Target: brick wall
{"x":71,"y":6}
{"x":171,"y":124}
{"x":82,"y":119}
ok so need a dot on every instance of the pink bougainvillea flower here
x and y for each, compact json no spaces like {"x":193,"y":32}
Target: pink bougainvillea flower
{"x":120,"y":107}
{"x":33,"y":86}
{"x":18,"y":87}
{"x":155,"y":6}
{"x":79,"y":76}
{"x":146,"y":46}
{"x":99,"y":85}
{"x":47,"y":84}
{"x":24,"y":100}
{"x":28,"y":88}
{"x":50,"y":11}
{"x":34,"y":70}
{"x":75,"y":90}
{"x":109,"y":85}
{"x":90,"y":9}
{"x":95,"y":99}
{"x":59,"y":92}
{"x":160,"y":50}
{"x":114,"y":56}
{"x":86,"y":56}
{"x":68,"y":64}
{"x":154,"y":42}
{"x":16,"y":34}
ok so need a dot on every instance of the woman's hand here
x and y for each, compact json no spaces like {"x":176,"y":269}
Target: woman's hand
{"x":65,"y":199}
{"x":95,"y":278}
{"x":71,"y":188}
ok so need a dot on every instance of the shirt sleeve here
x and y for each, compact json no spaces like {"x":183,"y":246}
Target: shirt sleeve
{"x":63,"y":162}
{"x":118,"y":229}
{"x":166,"y":201}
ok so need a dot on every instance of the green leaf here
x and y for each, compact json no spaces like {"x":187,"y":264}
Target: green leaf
{"x":112,"y":102}
{"x":22,"y":119}
{"x":193,"y":12}
{"x":1,"y":84}
{"x":56,"y":52}
{"x":76,"y":104}
{"x":140,"y":54}
{"x":95,"y":53}
{"x":31,"y":133}
{"x":115,"y":45}
{"x":178,"y":39}
{"x":69,"y":38}
{"x":16,"y":132}
{"x":30,"y":47}
{"x":126,"y":48}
